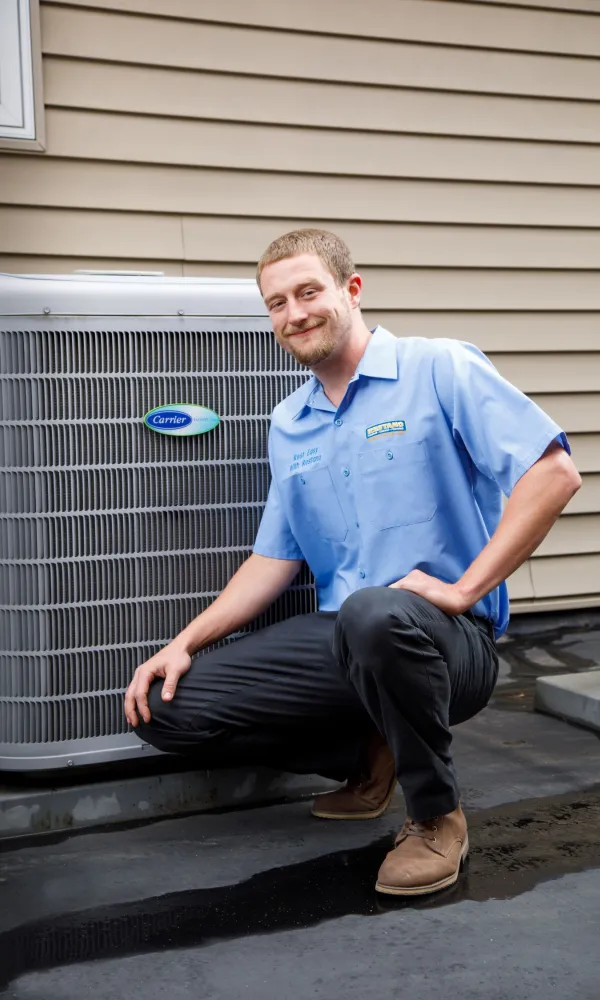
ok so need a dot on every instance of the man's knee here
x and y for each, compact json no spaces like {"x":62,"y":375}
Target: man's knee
{"x":184,"y":721}
{"x":170,"y":727}
{"x":163,"y":722}
{"x":368,"y":623}
{"x":370,"y":613}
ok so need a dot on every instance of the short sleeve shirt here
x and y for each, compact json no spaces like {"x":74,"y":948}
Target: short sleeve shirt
{"x":407,"y":473}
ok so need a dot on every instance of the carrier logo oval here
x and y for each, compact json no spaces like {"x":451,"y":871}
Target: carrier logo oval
{"x":181,"y":419}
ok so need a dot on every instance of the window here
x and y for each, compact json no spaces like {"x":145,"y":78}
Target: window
{"x":21,"y":108}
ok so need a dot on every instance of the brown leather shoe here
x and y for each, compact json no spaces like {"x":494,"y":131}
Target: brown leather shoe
{"x":366,"y":796}
{"x":427,"y":856}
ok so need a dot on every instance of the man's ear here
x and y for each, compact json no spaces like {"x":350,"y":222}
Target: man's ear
{"x":354,"y":289}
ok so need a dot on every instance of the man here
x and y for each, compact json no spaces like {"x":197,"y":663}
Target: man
{"x":388,"y":468}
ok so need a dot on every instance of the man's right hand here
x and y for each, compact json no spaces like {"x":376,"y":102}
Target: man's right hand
{"x":172,"y":662}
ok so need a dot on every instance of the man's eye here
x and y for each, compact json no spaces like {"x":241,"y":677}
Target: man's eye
{"x":309,"y":291}
{"x":275,"y":305}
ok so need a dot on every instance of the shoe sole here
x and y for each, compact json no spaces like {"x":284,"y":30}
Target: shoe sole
{"x":423,"y":890}
{"x":374,"y":814}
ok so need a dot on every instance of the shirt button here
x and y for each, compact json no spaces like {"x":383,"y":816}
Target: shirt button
{"x":362,"y":574}
{"x":338,"y":422}
{"x":346,"y":472}
{"x":302,"y":480}
{"x":389,"y":454}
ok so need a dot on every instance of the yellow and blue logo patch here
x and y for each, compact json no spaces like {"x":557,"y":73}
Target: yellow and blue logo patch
{"x":386,"y":427}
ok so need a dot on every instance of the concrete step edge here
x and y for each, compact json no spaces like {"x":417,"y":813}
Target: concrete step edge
{"x":26,"y":811}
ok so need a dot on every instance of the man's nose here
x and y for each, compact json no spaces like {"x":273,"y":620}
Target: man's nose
{"x":297,"y":313}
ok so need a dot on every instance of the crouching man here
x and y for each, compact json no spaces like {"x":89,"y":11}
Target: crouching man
{"x":388,"y":468}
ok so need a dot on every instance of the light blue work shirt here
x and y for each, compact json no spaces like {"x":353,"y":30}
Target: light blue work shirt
{"x":407,"y":473}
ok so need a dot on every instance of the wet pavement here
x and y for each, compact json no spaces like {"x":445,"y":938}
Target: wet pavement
{"x":271,"y":903}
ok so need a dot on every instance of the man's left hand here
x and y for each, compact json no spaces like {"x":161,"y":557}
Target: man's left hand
{"x":445,"y":596}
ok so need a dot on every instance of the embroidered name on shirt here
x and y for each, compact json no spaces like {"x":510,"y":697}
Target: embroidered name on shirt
{"x":303,"y":458}
{"x":387,"y":427}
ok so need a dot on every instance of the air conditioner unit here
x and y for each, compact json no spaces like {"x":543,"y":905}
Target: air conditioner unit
{"x":113,"y":537}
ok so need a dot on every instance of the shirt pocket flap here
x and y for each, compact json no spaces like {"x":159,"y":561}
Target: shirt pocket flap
{"x":397,"y":484}
{"x":314,"y":500}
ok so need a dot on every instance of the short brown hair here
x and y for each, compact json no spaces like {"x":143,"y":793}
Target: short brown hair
{"x":330,"y":248}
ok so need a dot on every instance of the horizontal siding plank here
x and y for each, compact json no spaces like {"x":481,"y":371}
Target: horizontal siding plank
{"x":587,"y":500}
{"x":433,"y":21}
{"x":514,"y":332}
{"x":150,"y":41}
{"x":233,"y":240}
{"x":571,"y":536}
{"x":143,"y":139}
{"x":544,"y":373}
{"x":447,"y":288}
{"x":569,"y":6}
{"x":24,"y":231}
{"x":455,"y":290}
{"x":520,"y":584}
{"x":230,"y":97}
{"x":549,"y":604}
{"x":575,"y":413}
{"x":397,"y":245}
{"x":29,"y":180}
{"x":49,"y":264}
{"x":565,"y":575}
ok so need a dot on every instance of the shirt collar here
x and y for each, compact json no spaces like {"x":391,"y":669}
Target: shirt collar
{"x":304,"y":394}
{"x":379,"y":360}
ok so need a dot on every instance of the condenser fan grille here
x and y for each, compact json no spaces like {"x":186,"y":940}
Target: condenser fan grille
{"x":112,"y":537}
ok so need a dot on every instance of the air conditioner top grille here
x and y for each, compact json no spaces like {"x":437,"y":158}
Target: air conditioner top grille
{"x":68,"y":295}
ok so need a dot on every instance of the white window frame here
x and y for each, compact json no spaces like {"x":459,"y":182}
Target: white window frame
{"x":21,"y":105}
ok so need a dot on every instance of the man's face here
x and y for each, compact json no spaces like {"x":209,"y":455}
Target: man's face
{"x":310,"y":313}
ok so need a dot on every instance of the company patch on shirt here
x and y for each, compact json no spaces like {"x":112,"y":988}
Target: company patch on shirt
{"x":387,"y":427}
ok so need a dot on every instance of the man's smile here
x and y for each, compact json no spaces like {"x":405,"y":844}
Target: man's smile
{"x":308,"y":329}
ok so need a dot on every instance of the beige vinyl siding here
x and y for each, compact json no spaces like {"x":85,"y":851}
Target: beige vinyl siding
{"x":235,"y":146}
{"x":573,"y":536}
{"x":587,"y":500}
{"x":139,"y":90}
{"x":565,"y":5}
{"x":223,"y":191}
{"x":445,"y":22}
{"x":385,"y":245}
{"x":455,"y":145}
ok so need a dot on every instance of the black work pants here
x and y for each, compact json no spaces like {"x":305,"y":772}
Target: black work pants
{"x":304,"y":694}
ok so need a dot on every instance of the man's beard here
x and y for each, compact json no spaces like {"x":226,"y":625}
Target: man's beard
{"x":309,"y":354}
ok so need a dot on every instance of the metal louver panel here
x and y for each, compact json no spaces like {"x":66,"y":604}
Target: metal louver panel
{"x":112,"y":537}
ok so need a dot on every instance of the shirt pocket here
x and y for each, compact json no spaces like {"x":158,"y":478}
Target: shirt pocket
{"x":397,"y":484}
{"x":314,"y":501}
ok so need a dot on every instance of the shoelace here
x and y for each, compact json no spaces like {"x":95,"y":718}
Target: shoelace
{"x":412,"y":828}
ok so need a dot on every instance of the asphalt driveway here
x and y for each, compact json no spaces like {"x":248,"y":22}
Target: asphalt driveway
{"x":271,"y":904}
